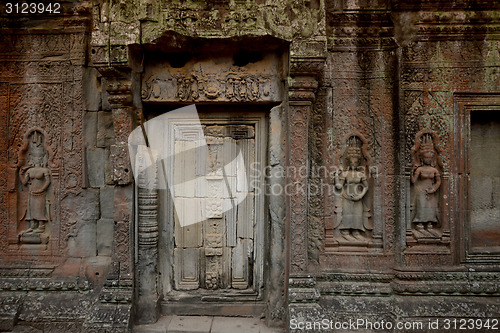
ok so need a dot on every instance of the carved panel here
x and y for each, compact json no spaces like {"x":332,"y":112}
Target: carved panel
{"x":187,"y":268}
{"x":209,"y":81}
{"x":363,"y":90}
{"x":353,"y":197}
{"x":427,"y":225}
{"x":33,"y":110}
{"x":4,"y":170}
{"x":121,"y":245}
{"x":39,"y":105}
{"x":37,"y":199}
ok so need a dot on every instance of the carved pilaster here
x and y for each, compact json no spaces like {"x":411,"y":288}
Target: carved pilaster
{"x":301,"y":94}
{"x":119,"y":89}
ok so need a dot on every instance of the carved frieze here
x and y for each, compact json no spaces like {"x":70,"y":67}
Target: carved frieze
{"x":354,"y":30}
{"x":199,"y":86}
{"x":217,"y":20}
{"x":205,"y":80}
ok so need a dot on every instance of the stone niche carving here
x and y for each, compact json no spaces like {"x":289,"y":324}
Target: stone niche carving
{"x":425,"y":191}
{"x":207,"y":80}
{"x":353,"y":223}
{"x":35,"y":195}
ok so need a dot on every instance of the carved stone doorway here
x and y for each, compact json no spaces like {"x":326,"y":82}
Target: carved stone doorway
{"x":219,"y":264}
{"x":212,"y":229}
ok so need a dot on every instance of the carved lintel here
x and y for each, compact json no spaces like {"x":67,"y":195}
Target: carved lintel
{"x":233,"y":84}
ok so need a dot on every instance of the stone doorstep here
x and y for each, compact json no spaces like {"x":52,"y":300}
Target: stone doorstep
{"x":205,"y":324}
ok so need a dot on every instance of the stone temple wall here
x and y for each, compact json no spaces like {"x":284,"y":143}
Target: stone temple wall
{"x":396,"y":101}
{"x":60,"y":245}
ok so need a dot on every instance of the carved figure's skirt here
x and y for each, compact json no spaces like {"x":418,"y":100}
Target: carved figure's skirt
{"x":352,"y":215}
{"x":426,"y":208}
{"x":36,"y":209}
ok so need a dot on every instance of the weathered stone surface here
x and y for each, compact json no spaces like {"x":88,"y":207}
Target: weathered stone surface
{"x":92,"y":91}
{"x":160,"y":326}
{"x":26,"y":329}
{"x":10,"y":306}
{"x":231,"y":324}
{"x":181,"y":324}
{"x":106,"y":200}
{"x":105,"y":132}
{"x":86,"y":205}
{"x":105,"y":229}
{"x":108,"y":167}
{"x":95,"y":166}
{"x":90,"y":129}
{"x":84,"y":243}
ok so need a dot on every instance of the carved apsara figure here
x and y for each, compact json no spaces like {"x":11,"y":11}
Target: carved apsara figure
{"x":426,"y":179}
{"x":352,"y":181}
{"x":35,"y":174}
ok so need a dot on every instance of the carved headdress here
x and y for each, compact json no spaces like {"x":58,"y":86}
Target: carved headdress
{"x":34,"y":150}
{"x":355,"y":146}
{"x":426,"y":144}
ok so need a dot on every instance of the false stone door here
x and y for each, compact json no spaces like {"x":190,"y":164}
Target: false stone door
{"x":217,"y":213}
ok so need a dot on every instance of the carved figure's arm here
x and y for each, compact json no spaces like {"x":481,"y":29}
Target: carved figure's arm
{"x":365,"y":188}
{"x":415,"y":174}
{"x":339,"y":180}
{"x":437,"y":184}
{"x":46,"y":176}
{"x":23,"y":176}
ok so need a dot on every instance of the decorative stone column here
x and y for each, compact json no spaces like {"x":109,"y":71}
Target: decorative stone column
{"x":146,"y":270}
{"x":302,"y":85}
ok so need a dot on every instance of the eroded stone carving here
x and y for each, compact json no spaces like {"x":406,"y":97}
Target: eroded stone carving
{"x":234,"y":87}
{"x":206,"y":80}
{"x":351,"y":184}
{"x":35,"y":174}
{"x":426,"y":180}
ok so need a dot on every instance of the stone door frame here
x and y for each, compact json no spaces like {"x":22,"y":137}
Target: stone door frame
{"x":166,"y":223}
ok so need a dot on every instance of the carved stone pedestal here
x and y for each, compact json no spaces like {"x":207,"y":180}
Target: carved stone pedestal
{"x":34,"y":238}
